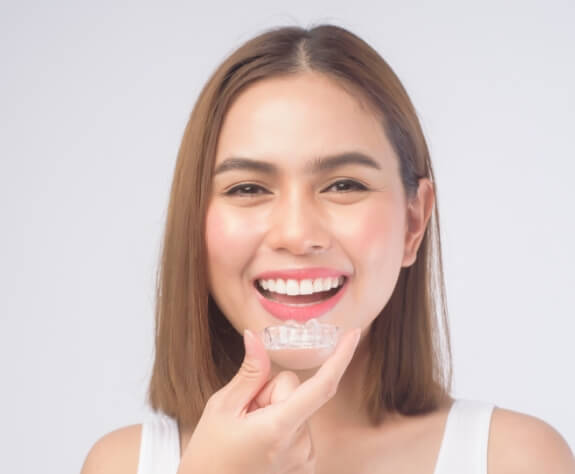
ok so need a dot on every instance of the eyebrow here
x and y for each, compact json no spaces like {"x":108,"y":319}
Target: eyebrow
{"x":316,"y":166}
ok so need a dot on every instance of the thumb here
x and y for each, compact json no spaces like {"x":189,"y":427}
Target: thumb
{"x":253,"y":373}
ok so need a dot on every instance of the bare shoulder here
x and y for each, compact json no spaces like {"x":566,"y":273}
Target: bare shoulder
{"x":115,"y":453}
{"x":524,"y":444}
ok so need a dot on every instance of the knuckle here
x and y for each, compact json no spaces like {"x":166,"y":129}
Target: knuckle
{"x":329,"y":388}
{"x":310,"y":453}
{"x":215,"y":401}
{"x":289,"y":377}
{"x":250,"y":369}
{"x":272,"y":436}
{"x":301,"y":462}
{"x":309,"y":466}
{"x":276,"y":433}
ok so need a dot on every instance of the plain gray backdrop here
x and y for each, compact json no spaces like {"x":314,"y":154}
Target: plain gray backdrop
{"x":94,"y":100}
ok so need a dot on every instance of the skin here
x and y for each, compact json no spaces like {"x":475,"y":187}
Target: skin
{"x":296,"y":222}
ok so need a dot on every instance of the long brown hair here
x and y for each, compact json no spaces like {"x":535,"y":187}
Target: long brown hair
{"x":197,"y":349}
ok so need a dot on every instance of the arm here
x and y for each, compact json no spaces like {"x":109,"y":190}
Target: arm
{"x":115,"y":453}
{"x":522,"y":444}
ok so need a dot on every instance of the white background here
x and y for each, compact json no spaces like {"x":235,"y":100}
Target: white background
{"x":94,"y":100}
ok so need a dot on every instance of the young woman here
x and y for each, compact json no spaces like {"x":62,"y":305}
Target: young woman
{"x":304,"y":160}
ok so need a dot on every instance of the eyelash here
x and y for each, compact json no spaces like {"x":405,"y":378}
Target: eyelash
{"x":235,"y":190}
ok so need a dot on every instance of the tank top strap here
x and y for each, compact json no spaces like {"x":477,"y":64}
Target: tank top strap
{"x":159,"y":446}
{"x":464,"y":445}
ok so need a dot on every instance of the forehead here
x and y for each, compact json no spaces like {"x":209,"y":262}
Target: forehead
{"x":297,"y":118}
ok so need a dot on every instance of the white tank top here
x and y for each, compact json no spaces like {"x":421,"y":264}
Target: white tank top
{"x":463,"y":449}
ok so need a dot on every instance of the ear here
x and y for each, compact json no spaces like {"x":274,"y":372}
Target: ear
{"x":418,"y":213}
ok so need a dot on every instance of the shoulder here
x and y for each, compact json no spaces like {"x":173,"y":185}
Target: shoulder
{"x":523,"y":444}
{"x":115,"y":453}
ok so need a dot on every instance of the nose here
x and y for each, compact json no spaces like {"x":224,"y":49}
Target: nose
{"x":297,"y":226}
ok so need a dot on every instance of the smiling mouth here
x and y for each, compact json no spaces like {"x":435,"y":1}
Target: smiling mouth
{"x":299,"y":300}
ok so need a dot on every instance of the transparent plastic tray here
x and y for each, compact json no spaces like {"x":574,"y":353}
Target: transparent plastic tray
{"x":293,"y":335}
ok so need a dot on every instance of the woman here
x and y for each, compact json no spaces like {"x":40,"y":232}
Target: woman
{"x":303,"y":160}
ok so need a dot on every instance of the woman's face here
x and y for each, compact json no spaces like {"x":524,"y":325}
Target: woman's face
{"x":306,"y":188}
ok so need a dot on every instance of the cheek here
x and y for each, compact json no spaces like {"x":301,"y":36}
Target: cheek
{"x":375,"y":247}
{"x":229,"y":241}
{"x":376,"y":237}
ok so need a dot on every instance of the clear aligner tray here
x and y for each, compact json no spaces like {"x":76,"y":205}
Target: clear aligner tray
{"x":292,"y":335}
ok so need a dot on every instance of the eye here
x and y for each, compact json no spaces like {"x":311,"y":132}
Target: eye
{"x":246,"y":190}
{"x":347,"y":185}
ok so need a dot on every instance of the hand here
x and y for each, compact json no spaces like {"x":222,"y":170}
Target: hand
{"x":259,"y":427}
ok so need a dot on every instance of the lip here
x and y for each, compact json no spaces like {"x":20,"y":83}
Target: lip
{"x":300,"y":313}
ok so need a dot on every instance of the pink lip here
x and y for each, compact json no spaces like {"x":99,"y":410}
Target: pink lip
{"x":300,"y":313}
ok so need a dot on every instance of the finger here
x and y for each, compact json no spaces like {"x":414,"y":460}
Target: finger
{"x":250,"y":378}
{"x":319,"y":388}
{"x":278,"y":389}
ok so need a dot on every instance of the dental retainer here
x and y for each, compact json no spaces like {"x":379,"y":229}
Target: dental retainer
{"x":300,"y":346}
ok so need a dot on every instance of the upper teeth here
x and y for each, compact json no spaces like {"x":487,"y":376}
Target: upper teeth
{"x":301,"y":287}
